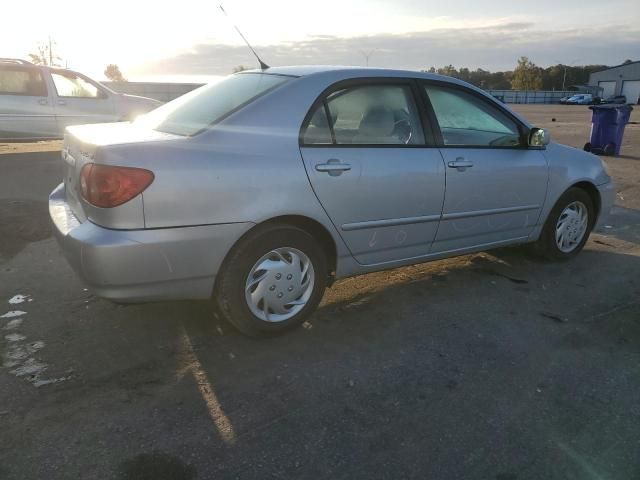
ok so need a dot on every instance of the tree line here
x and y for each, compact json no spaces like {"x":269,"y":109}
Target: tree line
{"x":526,"y":76}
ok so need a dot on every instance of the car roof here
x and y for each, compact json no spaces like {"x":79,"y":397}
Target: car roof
{"x":329,"y":74}
{"x":348,"y":71}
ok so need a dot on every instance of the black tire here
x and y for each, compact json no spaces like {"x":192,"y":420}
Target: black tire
{"x":229,"y":293}
{"x":546,"y":246}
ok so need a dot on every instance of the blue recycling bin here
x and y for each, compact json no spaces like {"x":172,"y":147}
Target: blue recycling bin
{"x":607,"y":128}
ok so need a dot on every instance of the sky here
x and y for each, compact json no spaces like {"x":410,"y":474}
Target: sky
{"x":190,"y":40}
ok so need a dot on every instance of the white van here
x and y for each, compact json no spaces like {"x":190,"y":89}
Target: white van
{"x":38,"y":102}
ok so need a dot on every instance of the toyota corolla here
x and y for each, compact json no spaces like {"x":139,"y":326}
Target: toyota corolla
{"x":260,"y":190}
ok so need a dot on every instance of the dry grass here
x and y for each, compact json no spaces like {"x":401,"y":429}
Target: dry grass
{"x":31,"y":147}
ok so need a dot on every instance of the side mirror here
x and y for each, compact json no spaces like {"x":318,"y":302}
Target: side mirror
{"x":539,"y":137}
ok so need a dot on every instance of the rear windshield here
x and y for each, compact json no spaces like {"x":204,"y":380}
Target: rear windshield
{"x":195,"y":111}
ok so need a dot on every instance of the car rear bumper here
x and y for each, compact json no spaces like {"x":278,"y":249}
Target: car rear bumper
{"x":143,"y":265}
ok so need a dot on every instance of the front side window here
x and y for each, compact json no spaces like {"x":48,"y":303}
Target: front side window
{"x":366,"y":115}
{"x":71,"y":85}
{"x":21,"y":81}
{"x":198,"y":109}
{"x":467,"y":120}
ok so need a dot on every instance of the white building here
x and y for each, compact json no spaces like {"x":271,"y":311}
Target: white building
{"x":620,"y":80}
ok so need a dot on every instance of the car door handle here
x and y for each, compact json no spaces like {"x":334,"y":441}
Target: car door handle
{"x":61,"y":102}
{"x":43,"y":101}
{"x":461,"y":164}
{"x":333,"y":167}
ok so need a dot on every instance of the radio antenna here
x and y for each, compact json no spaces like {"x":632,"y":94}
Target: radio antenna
{"x":263,"y":66}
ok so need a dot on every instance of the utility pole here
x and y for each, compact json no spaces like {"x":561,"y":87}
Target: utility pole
{"x":367,"y":55}
{"x":564,"y":76}
{"x":50,"y":53}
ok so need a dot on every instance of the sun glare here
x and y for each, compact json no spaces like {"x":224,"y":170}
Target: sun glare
{"x":132,"y":35}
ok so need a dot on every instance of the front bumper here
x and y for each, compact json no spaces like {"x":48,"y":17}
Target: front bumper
{"x":143,"y":265}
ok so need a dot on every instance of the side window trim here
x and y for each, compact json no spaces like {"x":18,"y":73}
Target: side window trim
{"x":430,"y":127}
{"x":366,"y":81}
{"x":522,"y":129}
{"x":327,"y":113}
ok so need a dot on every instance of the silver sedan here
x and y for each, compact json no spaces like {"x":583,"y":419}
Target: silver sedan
{"x":260,"y":190}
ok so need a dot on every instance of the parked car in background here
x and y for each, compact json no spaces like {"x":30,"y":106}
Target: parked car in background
{"x":563,"y":100}
{"x":260,"y":190}
{"x":618,"y":99}
{"x":38,"y":102}
{"x":580,"y":99}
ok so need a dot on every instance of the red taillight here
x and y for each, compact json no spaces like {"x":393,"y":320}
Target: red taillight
{"x":106,"y":186}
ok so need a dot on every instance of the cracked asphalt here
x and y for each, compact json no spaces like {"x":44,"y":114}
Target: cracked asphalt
{"x":486,"y":366}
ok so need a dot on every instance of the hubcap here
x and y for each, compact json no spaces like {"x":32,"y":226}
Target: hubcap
{"x":280,"y":284}
{"x":571,"y":226}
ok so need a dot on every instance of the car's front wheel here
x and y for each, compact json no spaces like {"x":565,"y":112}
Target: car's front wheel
{"x":272,"y":280}
{"x":568,"y":226}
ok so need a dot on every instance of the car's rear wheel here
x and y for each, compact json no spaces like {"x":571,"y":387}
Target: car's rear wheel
{"x":272,"y":280}
{"x":568,"y":226}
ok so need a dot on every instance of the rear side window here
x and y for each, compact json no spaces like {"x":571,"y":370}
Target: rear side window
{"x":366,"y":115}
{"x":317,"y":130}
{"x":195,"y":111}
{"x":466,"y":120}
{"x":22,"y":81}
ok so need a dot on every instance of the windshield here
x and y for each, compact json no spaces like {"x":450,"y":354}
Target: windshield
{"x":195,"y":111}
